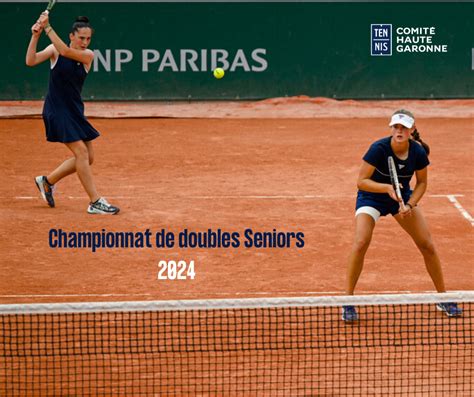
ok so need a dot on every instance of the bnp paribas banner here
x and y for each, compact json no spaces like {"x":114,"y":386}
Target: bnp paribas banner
{"x":168,"y":50}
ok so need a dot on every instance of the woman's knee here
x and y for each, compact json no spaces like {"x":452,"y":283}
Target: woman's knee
{"x":81,"y":153}
{"x":361,"y":244}
{"x":426,"y":246}
{"x":90,"y":151}
{"x":363,"y":234}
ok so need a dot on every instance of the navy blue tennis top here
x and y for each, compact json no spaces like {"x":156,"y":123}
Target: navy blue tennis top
{"x":63,"y":111}
{"x":378,"y":154}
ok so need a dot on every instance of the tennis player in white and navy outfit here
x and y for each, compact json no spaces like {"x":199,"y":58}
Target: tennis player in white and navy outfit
{"x":377,"y":156}
{"x":376,"y":197}
{"x":63,"y":111}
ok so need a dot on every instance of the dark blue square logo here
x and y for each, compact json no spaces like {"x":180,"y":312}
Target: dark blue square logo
{"x":380,"y":39}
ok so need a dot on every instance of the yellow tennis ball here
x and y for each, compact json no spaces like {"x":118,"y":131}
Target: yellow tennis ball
{"x":219,"y":73}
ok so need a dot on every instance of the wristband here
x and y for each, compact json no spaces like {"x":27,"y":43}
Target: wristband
{"x":411,"y":206}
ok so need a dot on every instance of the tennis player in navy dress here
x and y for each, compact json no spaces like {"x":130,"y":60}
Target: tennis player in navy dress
{"x":376,"y":197}
{"x":63,"y":111}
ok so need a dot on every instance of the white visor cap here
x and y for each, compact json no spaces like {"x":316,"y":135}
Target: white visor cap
{"x":403,"y":119}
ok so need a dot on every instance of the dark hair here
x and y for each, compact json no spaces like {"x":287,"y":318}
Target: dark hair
{"x":416,"y":136}
{"x":405,"y":112}
{"x":79,"y":23}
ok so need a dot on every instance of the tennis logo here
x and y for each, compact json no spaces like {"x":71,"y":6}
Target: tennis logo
{"x":381,"y":40}
{"x":406,"y":39}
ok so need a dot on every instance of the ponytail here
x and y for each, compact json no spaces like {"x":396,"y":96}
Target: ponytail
{"x":416,"y":136}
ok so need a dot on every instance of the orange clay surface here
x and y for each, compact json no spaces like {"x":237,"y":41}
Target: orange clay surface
{"x":267,"y":170}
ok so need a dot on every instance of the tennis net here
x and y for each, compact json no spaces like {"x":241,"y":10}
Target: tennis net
{"x":400,"y":345}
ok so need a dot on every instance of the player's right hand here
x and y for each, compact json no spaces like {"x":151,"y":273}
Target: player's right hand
{"x":392,"y":194}
{"x":36,"y":29}
{"x":44,"y":19}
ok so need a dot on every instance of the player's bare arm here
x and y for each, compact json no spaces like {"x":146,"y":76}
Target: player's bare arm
{"x":82,"y":55}
{"x":365,"y":183}
{"x":34,"y":58}
{"x":420,"y":187}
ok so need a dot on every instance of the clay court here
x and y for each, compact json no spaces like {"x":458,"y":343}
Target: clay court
{"x":230,"y":166}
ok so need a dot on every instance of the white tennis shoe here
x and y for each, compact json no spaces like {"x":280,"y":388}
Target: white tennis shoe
{"x":46,"y":190}
{"x":101,"y":206}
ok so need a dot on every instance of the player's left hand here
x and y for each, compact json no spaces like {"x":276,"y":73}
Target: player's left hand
{"x":43,"y":20}
{"x":36,"y":29}
{"x":404,"y":211}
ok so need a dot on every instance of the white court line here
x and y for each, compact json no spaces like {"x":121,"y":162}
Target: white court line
{"x":445,"y":195}
{"x":460,"y":208}
{"x":217,"y":294}
{"x":270,"y":293}
{"x":236,"y":197}
{"x":284,"y":197}
{"x":450,"y":197}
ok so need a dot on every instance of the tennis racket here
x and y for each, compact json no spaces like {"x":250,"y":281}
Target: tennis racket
{"x":51,"y":4}
{"x":394,"y":178}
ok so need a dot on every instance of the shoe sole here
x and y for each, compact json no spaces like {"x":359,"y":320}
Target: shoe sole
{"x":97,"y":212}
{"x":39,"y":185}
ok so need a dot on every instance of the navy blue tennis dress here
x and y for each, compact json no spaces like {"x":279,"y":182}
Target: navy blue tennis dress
{"x":63,"y":111}
{"x":377,"y":156}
